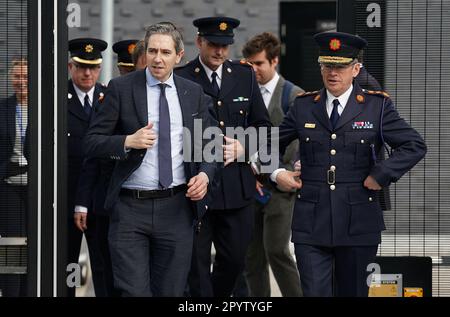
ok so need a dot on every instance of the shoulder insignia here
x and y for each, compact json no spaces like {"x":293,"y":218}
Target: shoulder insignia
{"x":242,"y":62}
{"x":377,"y":93}
{"x":309,"y":93}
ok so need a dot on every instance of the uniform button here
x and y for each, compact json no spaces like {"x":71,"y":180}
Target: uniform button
{"x":221,"y":123}
{"x":68,"y":134}
{"x":307,"y":140}
{"x":370,"y":198}
{"x":142,"y":155}
{"x":206,"y":207}
{"x":219,"y":103}
{"x":299,"y":196}
{"x":362,"y":141}
{"x":333,"y":152}
{"x":241,"y":112}
{"x":332,"y":187}
{"x":332,"y":168}
{"x":333,"y":136}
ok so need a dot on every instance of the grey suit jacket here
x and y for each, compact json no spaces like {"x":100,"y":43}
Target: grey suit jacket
{"x":124,"y":111}
{"x":276,"y":114}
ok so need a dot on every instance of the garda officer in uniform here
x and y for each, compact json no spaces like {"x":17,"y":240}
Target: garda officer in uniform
{"x":124,"y":50}
{"x":337,"y":220}
{"x":237,"y":103}
{"x":84,"y":96}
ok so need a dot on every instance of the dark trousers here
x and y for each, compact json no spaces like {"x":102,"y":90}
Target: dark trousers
{"x":96,"y":245}
{"x":105,"y":277}
{"x":13,"y":223}
{"x":151,"y":245}
{"x":334,"y":271}
{"x":230,"y":230}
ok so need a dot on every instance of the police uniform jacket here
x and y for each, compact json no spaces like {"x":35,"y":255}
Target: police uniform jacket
{"x":333,"y":208}
{"x":239,"y":104}
{"x":77,"y":126}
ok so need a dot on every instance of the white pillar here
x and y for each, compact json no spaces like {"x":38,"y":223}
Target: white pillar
{"x":108,"y":36}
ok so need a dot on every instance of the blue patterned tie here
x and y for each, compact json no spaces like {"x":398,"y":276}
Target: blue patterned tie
{"x":164,"y":145}
{"x":87,"y":106}
{"x":214,"y":84}
{"x":334,"y":114}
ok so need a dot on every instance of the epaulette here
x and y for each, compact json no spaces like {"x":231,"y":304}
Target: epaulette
{"x":307,"y":93}
{"x":377,"y":93}
{"x":242,"y":62}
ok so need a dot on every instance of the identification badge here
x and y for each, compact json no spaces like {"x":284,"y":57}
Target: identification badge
{"x":310,"y":125}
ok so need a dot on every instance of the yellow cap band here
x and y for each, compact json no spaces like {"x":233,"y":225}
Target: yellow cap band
{"x":125,"y":64}
{"x":335,"y":60}
{"x":87,"y":61}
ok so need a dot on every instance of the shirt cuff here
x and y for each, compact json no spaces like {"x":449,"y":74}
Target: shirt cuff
{"x":81,"y":209}
{"x":273,"y":176}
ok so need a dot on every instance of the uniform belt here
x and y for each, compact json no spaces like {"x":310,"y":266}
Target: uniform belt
{"x":332,"y":177}
{"x":153,"y":194}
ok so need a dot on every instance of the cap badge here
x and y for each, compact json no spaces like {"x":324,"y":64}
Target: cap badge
{"x":89,"y":48}
{"x":223,"y":26}
{"x":131,"y":48}
{"x":335,"y":44}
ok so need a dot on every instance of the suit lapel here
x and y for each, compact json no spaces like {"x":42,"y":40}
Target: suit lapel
{"x":320,"y":110}
{"x":229,"y":79}
{"x":140,"y":96}
{"x":185,"y":104}
{"x":352,"y":109}
{"x":96,"y":96}
{"x":74,"y":105}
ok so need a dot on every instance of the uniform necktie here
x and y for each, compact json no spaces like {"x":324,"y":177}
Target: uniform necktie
{"x":164,"y":145}
{"x":215,"y":86}
{"x":87,"y":106}
{"x":335,"y":114}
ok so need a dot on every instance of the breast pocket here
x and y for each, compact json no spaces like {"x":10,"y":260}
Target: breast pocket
{"x":305,"y":208}
{"x":365,"y":211}
{"x":312,"y":150}
{"x":360,"y":146}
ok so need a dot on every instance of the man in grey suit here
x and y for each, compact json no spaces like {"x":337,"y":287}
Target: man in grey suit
{"x":273,"y":210}
{"x":155,"y":185}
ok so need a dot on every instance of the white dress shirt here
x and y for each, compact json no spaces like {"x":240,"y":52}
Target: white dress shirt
{"x":268,"y":88}
{"x":209,"y":72}
{"x":343,"y":99}
{"x":81,"y":94}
